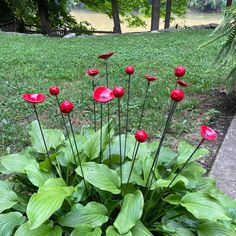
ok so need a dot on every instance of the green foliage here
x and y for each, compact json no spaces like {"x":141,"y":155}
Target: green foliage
{"x":207,"y":5}
{"x":57,"y":203}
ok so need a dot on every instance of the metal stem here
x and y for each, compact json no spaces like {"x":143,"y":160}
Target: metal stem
{"x":94,"y":108}
{"x":80,"y":164}
{"x":121,"y":161}
{"x":67,"y":131}
{"x":100,"y":157}
{"x":127,"y":117}
{"x":41,"y":130}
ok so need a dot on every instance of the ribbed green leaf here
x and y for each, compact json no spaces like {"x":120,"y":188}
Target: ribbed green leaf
{"x":101,"y":176}
{"x":9,"y":221}
{"x":8,"y":199}
{"x":44,"y":203}
{"x":111,"y":231}
{"x":140,"y":229}
{"x":5,"y":185}
{"x":18,"y":162}
{"x":85,"y":230}
{"x":185,"y":150}
{"x":131,"y":211}
{"x":183,"y":231}
{"x":214,"y":229}
{"x":204,"y":207}
{"x":53,"y":138}
{"x":93,"y":214}
{"x":43,"y":230}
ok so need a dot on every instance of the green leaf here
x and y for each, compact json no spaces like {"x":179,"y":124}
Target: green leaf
{"x":36,"y":176}
{"x":173,"y":199}
{"x":5,"y":185}
{"x":131,"y":211}
{"x":111,"y":231}
{"x":93,"y":214}
{"x":92,"y":146}
{"x":8,"y":199}
{"x":214,"y":229}
{"x":45,"y":230}
{"x":183,"y":231}
{"x":101,"y":176}
{"x":85,"y":230}
{"x":140,"y":229}
{"x":53,"y":138}
{"x":44,"y":203}
{"x":9,"y":221}
{"x":185,"y":150}
{"x":18,"y":162}
{"x":203,"y":206}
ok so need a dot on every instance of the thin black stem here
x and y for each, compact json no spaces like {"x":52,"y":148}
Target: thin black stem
{"x":77,"y":151}
{"x":121,"y":161}
{"x":144,"y":102}
{"x":132,"y":166}
{"x":127,"y":117}
{"x":155,"y":160}
{"x":100,"y":157}
{"x":94,"y":108}
{"x":67,"y":131}
{"x":41,"y":130}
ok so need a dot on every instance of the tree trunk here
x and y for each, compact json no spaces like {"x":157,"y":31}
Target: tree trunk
{"x":44,"y":18}
{"x":155,"y":22}
{"x":229,"y":3}
{"x":168,"y":14}
{"x":116,"y":17}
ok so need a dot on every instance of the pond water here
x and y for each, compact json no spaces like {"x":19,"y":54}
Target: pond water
{"x":103,"y":22}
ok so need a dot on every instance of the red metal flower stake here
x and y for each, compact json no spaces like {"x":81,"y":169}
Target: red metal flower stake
{"x":66,"y":107}
{"x":34,"y":99}
{"x":129,"y":70}
{"x":180,"y":72}
{"x":176,"y":95}
{"x":119,"y":93}
{"x":54,"y":91}
{"x":102,"y":94}
{"x":140,"y":136}
{"x":93,"y":73}
{"x":105,"y":58}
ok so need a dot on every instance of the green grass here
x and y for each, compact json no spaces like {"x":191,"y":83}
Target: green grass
{"x":31,"y":64}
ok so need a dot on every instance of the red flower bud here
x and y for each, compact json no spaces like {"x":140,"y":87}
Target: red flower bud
{"x":180,"y":71}
{"x":92,"y":72}
{"x":141,"y":136}
{"x":129,"y":70}
{"x":182,"y":83}
{"x":54,"y":90}
{"x":106,"y":55}
{"x":150,"y":77}
{"x":177,"y":95}
{"x":103,"y":94}
{"x":34,"y":98}
{"x":208,"y":133}
{"x":66,"y":106}
{"x":118,"y":92}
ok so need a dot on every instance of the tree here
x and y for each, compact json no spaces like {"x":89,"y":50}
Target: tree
{"x":155,"y":15}
{"x":116,"y":16}
{"x":229,"y":3}
{"x":168,"y":14}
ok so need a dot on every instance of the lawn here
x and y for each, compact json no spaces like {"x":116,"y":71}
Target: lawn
{"x":31,"y":64}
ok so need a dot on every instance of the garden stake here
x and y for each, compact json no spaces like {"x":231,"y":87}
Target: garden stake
{"x":76,"y":148}
{"x":100,"y":156}
{"x":94,"y":109}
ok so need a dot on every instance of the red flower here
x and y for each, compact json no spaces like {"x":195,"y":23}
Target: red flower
{"x":182,"y":83}
{"x":34,"y":98}
{"x":177,"y":95}
{"x":141,"y":136}
{"x":103,"y":94}
{"x":180,"y":71}
{"x":150,"y":77}
{"x":118,"y":92}
{"x":66,"y":106}
{"x":92,"y":72}
{"x":106,"y":55}
{"x":54,"y":90}
{"x":208,"y":133}
{"x":129,"y":70}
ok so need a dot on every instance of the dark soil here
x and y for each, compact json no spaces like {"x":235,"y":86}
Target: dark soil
{"x":224,"y":105}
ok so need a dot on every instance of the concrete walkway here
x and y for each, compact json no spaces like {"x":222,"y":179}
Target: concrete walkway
{"x":224,"y":167}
